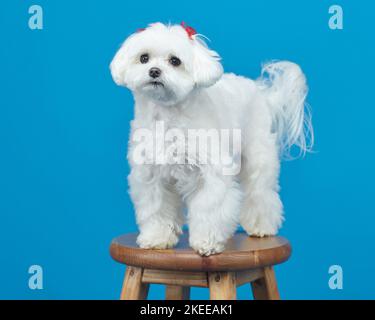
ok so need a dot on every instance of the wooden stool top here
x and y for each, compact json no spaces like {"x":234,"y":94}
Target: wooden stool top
{"x":242,"y":252}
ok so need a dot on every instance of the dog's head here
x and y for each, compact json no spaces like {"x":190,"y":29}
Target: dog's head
{"x":165,"y":63}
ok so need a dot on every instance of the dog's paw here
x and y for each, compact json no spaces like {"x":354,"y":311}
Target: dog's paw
{"x":262,"y":227}
{"x":263,"y":215}
{"x":157,"y":242}
{"x":261,"y":231}
{"x":162,"y":238}
{"x":207,"y":248}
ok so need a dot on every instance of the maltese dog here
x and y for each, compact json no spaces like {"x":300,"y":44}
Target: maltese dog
{"x":206,"y":144}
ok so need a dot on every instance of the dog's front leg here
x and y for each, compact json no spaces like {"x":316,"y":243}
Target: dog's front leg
{"x":213,"y":213}
{"x":158,"y":208}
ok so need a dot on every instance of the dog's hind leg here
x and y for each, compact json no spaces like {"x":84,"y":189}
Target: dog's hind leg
{"x":261,"y":212}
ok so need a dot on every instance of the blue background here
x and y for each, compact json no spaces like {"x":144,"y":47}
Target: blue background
{"x":64,"y":127}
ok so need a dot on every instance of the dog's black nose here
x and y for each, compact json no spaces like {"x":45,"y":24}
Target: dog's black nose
{"x":154,"y":72}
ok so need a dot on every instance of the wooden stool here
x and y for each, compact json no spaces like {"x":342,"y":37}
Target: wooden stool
{"x":245,"y":260}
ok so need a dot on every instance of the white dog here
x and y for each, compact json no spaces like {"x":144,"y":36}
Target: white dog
{"x":177,"y":81}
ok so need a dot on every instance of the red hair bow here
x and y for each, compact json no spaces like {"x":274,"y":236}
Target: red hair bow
{"x":189,"y":30}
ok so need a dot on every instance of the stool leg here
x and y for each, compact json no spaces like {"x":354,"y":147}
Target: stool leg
{"x":133,"y":288}
{"x":222,"y":285}
{"x":265,"y":288}
{"x":177,"y":292}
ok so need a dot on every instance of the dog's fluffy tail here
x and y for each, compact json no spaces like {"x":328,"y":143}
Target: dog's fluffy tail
{"x":284,"y":85}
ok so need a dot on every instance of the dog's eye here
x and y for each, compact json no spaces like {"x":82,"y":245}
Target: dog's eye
{"x":174,"y":61}
{"x":144,"y":58}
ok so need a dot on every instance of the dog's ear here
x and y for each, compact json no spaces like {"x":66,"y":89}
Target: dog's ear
{"x":120,"y":63}
{"x":207,"y":66}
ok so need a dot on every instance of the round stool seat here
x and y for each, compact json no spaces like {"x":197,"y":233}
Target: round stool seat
{"x":242,"y":252}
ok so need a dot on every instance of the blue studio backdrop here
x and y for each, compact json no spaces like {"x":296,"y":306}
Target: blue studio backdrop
{"x":64,"y":127}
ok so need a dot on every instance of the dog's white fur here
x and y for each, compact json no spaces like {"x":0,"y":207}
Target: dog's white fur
{"x":269,"y":111}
